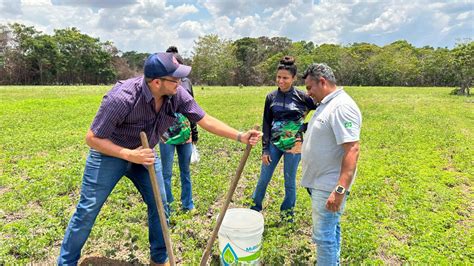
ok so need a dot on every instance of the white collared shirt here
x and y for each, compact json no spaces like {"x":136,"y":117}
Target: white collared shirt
{"x":337,"y":120}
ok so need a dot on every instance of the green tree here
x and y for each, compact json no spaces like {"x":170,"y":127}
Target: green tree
{"x":437,"y":68}
{"x":34,"y":55}
{"x":4,"y":39}
{"x":396,"y":65}
{"x":135,"y":60}
{"x":302,"y":52}
{"x":363,"y":69}
{"x":247,"y":55}
{"x":329,"y":54}
{"x":68,"y":57}
{"x":28,"y":56}
{"x":213,"y":61}
{"x":43,"y":57}
{"x":257,"y":58}
{"x":464,"y":65}
{"x":267,"y":68}
{"x":20,"y":67}
{"x":83,"y":59}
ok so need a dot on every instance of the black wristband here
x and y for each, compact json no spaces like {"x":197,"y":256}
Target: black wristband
{"x":239,"y":137}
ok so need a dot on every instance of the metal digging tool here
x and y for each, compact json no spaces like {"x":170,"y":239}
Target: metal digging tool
{"x":233,"y":186}
{"x":159,"y":204}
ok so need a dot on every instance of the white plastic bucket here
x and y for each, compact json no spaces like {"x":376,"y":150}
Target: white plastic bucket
{"x":240,"y":237}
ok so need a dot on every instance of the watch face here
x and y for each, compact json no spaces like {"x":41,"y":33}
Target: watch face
{"x":340,"y":189}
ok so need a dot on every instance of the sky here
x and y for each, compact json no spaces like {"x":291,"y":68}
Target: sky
{"x":153,"y":25}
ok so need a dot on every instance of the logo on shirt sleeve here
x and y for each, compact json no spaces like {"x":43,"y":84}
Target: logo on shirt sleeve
{"x":348,"y":124}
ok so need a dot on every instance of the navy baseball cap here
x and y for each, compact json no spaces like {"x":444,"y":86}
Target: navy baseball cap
{"x":164,"y":64}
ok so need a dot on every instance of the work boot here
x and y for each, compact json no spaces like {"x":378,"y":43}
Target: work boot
{"x":152,"y":263}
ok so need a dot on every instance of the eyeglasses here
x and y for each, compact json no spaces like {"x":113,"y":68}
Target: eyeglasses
{"x":177,"y":81}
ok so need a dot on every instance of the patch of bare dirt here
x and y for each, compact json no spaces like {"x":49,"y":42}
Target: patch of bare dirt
{"x":8,"y":218}
{"x":389,"y":259}
{"x":3,"y":190}
{"x":450,"y":158}
{"x":103,"y":261}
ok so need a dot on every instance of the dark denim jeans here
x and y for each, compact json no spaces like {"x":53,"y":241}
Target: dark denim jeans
{"x":101,"y":174}
{"x":184,"y":159}
{"x":290,"y":166}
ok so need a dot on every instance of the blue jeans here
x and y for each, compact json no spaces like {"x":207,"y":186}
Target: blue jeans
{"x":184,"y":159}
{"x":290,"y":166}
{"x":101,"y":174}
{"x":326,"y":228}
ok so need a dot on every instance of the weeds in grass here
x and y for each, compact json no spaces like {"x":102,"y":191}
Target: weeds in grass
{"x":411,"y":203}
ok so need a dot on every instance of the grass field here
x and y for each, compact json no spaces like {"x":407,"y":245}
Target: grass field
{"x":412,"y":201}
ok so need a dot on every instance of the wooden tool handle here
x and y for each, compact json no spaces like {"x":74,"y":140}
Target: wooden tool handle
{"x":159,"y":203}
{"x":220,"y":218}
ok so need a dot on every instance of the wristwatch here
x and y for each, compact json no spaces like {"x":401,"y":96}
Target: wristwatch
{"x":340,"y":190}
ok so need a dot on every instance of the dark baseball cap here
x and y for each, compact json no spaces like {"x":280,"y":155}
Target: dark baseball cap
{"x":164,"y":64}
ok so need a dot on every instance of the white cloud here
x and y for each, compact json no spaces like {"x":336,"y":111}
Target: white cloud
{"x":146,"y":8}
{"x":389,"y":21}
{"x":227,"y":8}
{"x":10,"y":7}
{"x":184,"y":10}
{"x":316,"y":23}
{"x":35,"y":2}
{"x":190,"y":30}
{"x":153,"y":25}
{"x":94,"y":3}
{"x":246,"y":26}
{"x":242,"y":8}
{"x":115,"y":22}
{"x":442,"y":20}
{"x":268,"y":10}
{"x":220,"y":26}
{"x":465,"y":15}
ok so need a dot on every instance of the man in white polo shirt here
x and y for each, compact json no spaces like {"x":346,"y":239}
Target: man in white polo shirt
{"x":329,"y":158}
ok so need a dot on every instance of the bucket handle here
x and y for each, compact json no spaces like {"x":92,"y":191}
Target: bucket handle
{"x":233,"y":243}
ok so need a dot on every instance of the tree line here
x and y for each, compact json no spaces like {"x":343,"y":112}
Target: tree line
{"x":28,"y":56}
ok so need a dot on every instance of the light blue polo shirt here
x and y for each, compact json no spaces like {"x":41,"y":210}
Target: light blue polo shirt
{"x":337,"y":120}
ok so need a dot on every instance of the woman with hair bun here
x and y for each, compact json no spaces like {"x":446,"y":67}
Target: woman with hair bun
{"x":284,"y":112}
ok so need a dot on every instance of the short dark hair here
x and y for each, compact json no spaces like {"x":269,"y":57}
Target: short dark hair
{"x":174,"y":50}
{"x":288,"y":63}
{"x":318,"y":70}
